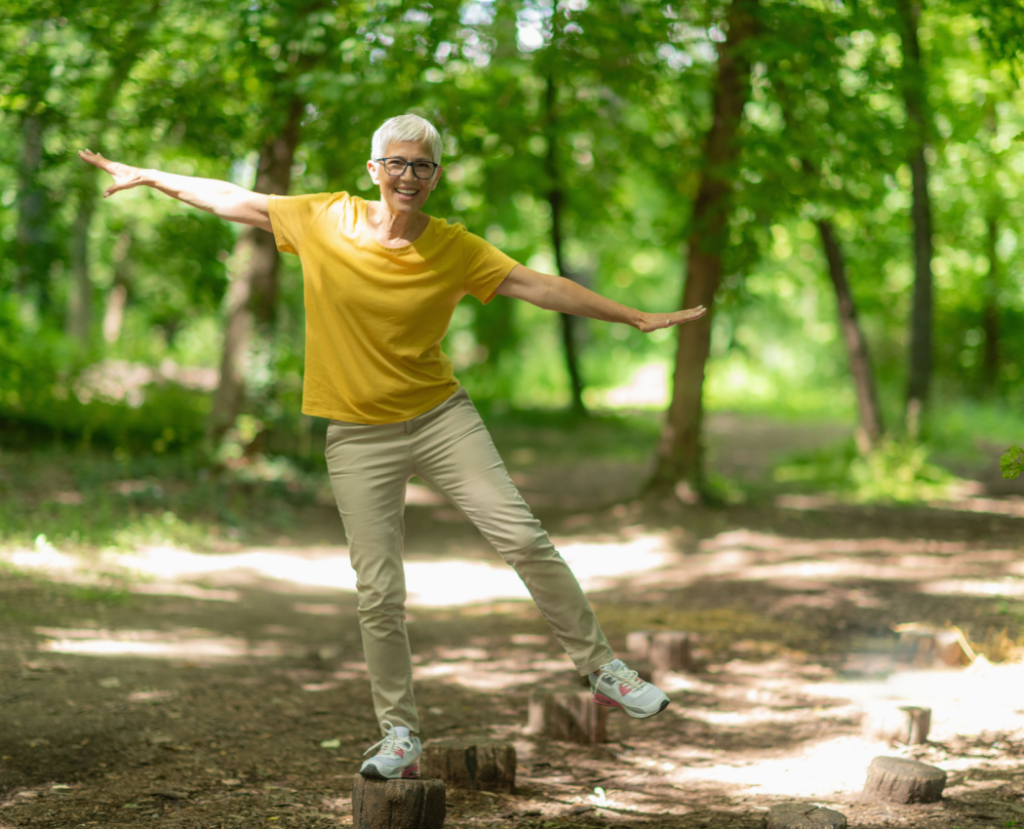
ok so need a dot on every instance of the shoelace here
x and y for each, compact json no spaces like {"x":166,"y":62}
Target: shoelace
{"x":390,"y":742}
{"x":630,"y":678}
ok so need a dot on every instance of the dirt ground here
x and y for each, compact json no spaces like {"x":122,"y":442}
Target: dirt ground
{"x":168,"y":688}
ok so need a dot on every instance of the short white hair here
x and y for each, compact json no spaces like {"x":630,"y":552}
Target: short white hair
{"x":407,"y":127}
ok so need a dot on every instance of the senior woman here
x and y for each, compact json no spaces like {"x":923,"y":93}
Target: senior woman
{"x":382,"y":279}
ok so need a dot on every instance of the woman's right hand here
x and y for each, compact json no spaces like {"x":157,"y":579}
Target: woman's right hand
{"x":125,"y":177}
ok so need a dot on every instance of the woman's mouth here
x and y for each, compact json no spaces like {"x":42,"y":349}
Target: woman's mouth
{"x":406,"y":193}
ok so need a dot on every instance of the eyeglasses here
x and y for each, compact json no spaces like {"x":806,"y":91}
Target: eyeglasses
{"x":396,"y":167}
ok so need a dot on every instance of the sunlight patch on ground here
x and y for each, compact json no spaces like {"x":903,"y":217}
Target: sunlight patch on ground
{"x":189,"y":644}
{"x":1009,"y":587}
{"x":433,"y":583}
{"x":982,"y":697}
{"x":829,"y":769}
{"x":497,"y":674}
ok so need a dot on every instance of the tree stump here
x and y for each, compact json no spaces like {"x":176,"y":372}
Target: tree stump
{"x":895,"y":723}
{"x":572,"y":716}
{"x":898,"y":780}
{"x":670,"y":651}
{"x":397,"y":804}
{"x":662,"y":650}
{"x":643,"y":670}
{"x":925,"y":646}
{"x":638,"y":645}
{"x":802,"y":816}
{"x":471,"y":764}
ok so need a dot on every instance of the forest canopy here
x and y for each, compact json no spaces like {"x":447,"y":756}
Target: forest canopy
{"x":842,"y":178}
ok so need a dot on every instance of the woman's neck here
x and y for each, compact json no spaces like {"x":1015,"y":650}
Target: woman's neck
{"x":394,"y":230}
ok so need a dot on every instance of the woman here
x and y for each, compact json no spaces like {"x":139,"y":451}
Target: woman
{"x":381,"y":282}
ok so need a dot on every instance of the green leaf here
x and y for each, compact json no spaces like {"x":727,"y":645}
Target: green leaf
{"x":1011,"y":464}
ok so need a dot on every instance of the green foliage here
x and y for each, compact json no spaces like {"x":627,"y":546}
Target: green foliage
{"x":899,"y":471}
{"x":893,"y":472}
{"x":606,"y":102}
{"x":1011,"y":464}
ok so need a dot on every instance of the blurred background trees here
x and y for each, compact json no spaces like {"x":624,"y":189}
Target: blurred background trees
{"x":839,"y":182}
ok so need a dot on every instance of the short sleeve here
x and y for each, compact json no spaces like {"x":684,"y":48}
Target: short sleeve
{"x":486,"y":267}
{"x":292,"y":217}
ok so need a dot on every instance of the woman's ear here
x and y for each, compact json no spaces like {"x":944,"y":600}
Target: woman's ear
{"x":371,"y":166}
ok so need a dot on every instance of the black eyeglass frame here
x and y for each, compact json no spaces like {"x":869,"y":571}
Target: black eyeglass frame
{"x":408,"y":164}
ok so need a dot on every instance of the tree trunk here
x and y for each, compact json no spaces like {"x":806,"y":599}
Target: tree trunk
{"x":915,"y":97}
{"x":34,"y":247}
{"x":871,"y":425}
{"x":136,"y":41}
{"x":556,"y":198}
{"x":680,"y":453}
{"x":80,"y":296}
{"x":117,"y":299}
{"x":853,"y":337}
{"x":990,"y":311}
{"x":35,"y":244}
{"x":252,"y":294}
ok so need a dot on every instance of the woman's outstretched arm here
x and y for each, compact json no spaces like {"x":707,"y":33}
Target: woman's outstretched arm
{"x":555,"y":293}
{"x":221,"y":198}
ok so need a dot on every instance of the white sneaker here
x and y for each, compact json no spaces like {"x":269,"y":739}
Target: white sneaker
{"x":620,"y":687}
{"x":398,"y":756}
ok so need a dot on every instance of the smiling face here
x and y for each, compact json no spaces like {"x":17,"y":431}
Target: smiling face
{"x":405,"y":194}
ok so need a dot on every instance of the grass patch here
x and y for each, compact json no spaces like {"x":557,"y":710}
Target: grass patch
{"x":895,"y":472}
{"x":92,"y":498}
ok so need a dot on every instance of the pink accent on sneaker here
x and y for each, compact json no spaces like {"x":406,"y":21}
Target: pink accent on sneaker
{"x":400,"y":752}
{"x":624,"y":689}
{"x":601,"y":699}
{"x":412,"y":772}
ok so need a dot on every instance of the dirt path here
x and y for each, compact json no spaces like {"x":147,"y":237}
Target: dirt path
{"x":226,"y":689}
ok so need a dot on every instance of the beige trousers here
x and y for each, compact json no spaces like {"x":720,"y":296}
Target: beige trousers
{"x":448,"y":447}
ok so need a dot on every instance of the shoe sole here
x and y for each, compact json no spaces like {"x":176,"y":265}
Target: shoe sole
{"x":635,"y":713}
{"x":373,"y":773}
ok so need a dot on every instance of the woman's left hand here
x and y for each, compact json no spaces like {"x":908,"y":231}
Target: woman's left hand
{"x":653,"y":322}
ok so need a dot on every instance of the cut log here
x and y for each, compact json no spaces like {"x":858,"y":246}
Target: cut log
{"x":802,"y":816}
{"x":643,"y":670}
{"x":925,"y":646}
{"x":397,"y":804}
{"x":670,"y":651}
{"x":572,"y":716}
{"x":638,"y":645}
{"x":471,"y":764}
{"x":898,"y":780}
{"x":895,"y":723}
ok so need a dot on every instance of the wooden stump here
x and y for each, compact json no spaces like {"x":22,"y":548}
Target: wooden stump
{"x":471,"y":764}
{"x":903,"y":781}
{"x":802,"y":816}
{"x":925,"y":646}
{"x":397,"y":804}
{"x":572,"y":716}
{"x":638,"y":645}
{"x":895,"y":723}
{"x":643,"y":670}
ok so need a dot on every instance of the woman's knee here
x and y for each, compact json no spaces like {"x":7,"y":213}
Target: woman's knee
{"x":382,"y":618}
{"x":537,"y":547}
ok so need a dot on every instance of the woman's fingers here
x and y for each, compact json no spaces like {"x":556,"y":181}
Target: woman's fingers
{"x":123,"y":178}
{"x":655,"y":322}
{"x":94,"y":158}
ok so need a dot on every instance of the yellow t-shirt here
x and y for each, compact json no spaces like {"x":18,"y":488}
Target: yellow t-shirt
{"x":375,"y":316}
